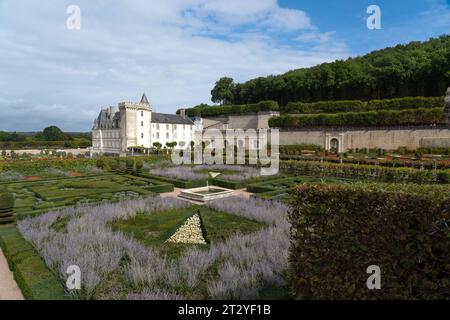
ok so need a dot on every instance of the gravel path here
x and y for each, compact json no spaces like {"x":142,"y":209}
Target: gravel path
{"x":8,"y":286}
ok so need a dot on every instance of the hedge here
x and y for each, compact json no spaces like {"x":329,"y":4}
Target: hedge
{"x":340,"y":230}
{"x":33,"y":277}
{"x":420,"y":116}
{"x":6,"y":206}
{"x":335,"y":106}
{"x":353,"y":171}
{"x":397,"y":163}
{"x":184,"y":184}
{"x":212,"y":111}
{"x":297,"y":149}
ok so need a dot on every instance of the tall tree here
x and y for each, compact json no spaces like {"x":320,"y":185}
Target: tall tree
{"x":223,"y":91}
{"x":54,"y":133}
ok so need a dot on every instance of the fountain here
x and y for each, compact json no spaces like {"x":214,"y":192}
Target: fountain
{"x":207,"y":193}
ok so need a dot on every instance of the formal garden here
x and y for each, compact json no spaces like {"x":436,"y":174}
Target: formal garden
{"x":111,"y":217}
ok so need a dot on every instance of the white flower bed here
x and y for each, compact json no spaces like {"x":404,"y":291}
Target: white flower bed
{"x":190,"y":232}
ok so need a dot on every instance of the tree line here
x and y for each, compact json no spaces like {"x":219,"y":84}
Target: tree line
{"x":414,"y":69}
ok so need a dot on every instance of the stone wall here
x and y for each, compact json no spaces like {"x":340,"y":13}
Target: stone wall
{"x":388,"y":139}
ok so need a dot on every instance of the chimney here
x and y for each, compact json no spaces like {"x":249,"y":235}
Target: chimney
{"x":183,"y":113}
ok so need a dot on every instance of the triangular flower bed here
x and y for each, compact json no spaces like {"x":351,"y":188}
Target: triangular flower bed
{"x":190,"y":232}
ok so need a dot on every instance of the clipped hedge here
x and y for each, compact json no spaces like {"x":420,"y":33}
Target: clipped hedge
{"x":6,"y":207}
{"x":212,"y":111}
{"x":420,"y":116}
{"x":184,"y":184}
{"x":335,"y":106}
{"x":340,"y":230}
{"x":354,"y":171}
{"x":33,"y":277}
{"x":297,"y":149}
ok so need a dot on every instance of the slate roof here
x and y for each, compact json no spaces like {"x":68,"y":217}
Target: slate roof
{"x":170,"y":118}
{"x":144,"y":99}
{"x":107,"y":119}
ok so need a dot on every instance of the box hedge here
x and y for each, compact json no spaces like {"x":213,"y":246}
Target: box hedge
{"x":420,"y":116}
{"x":340,"y":230}
{"x":33,"y":277}
{"x":335,"y":106}
{"x":211,"y":111}
{"x":355,"y":171}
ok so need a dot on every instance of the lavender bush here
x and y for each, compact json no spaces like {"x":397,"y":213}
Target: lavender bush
{"x":193,"y":173}
{"x":245,"y":262}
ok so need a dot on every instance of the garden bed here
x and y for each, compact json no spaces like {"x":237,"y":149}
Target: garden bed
{"x":246,"y":250}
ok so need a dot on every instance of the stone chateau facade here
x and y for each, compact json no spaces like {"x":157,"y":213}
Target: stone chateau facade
{"x":136,"y":125}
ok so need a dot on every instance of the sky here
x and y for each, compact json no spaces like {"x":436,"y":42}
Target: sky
{"x":175,"y":50}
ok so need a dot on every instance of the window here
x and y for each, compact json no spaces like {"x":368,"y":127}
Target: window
{"x":142,"y":113}
{"x":157,"y":126}
{"x":142,"y":123}
{"x":167,"y":126}
{"x":174,"y":127}
{"x":142,"y":136}
{"x":167,"y":135}
{"x":157,"y":135}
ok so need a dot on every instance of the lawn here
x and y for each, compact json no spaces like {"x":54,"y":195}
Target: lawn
{"x":154,"y":229}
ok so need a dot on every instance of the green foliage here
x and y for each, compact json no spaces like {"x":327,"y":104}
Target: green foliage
{"x":34,"y":279}
{"x":157,"y":145}
{"x":233,"y":109}
{"x":337,"y":106}
{"x":418,"y":116}
{"x":129,"y":163}
{"x":297,"y":149}
{"x":355,"y":171}
{"x":340,"y":230}
{"x":223,"y":91}
{"x":54,"y":133}
{"x":400,"y":71}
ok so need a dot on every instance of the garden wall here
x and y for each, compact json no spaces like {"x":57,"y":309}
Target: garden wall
{"x":384,"y":138}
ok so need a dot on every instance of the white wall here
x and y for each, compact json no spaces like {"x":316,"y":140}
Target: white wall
{"x":166,"y":132}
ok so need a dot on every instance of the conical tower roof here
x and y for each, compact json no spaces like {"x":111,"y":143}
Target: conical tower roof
{"x":144,"y":99}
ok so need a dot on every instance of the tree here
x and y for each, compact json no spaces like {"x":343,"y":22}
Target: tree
{"x":54,"y":133}
{"x":171,"y":144}
{"x":157,"y":145}
{"x":223,"y":91}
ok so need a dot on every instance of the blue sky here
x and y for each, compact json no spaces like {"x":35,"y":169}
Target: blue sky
{"x":175,"y":50}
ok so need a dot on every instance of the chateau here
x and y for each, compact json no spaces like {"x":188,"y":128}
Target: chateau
{"x":135,"y":125}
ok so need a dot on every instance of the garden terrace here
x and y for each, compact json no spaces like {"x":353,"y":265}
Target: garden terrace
{"x":407,"y":117}
{"x":337,"y":106}
{"x":33,"y":197}
{"x":242,"y":258}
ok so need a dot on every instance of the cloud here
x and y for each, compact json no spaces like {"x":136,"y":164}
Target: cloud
{"x":174,"y":50}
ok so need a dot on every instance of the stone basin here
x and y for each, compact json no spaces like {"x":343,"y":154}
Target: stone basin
{"x":207,"y":193}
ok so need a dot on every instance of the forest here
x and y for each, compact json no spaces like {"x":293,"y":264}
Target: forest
{"x":414,"y":69}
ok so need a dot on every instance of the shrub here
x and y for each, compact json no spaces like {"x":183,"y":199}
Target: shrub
{"x":210,"y":111}
{"x":340,"y":230}
{"x":420,"y":116}
{"x":100,"y":164}
{"x":356,"y":171}
{"x":139,"y":166}
{"x":335,"y":106}
{"x":129,"y":163}
{"x":6,"y":207}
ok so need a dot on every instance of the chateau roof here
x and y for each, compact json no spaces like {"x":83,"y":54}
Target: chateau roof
{"x":144,"y":99}
{"x":107,"y":119}
{"x":170,"y":118}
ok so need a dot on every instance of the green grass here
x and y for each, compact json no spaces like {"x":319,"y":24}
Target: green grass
{"x":33,"y":197}
{"x":33,"y":277}
{"x":154,"y":229}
